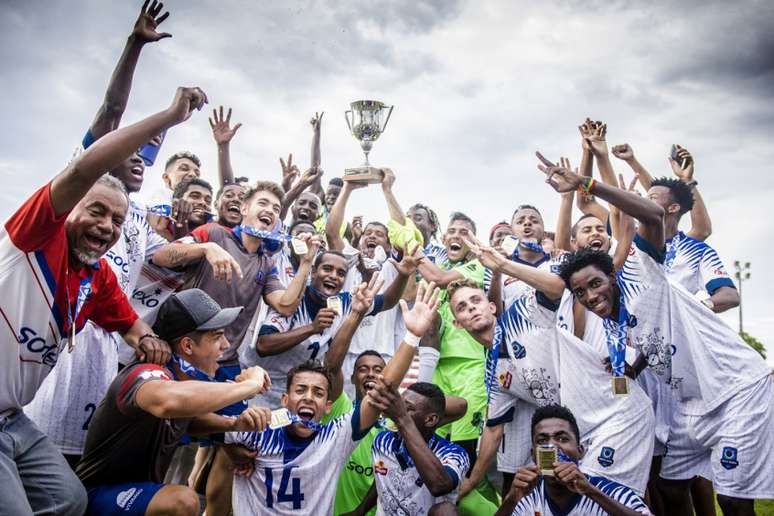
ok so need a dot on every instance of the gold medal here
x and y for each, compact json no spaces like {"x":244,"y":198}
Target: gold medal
{"x":546,"y":456}
{"x":279,"y":418}
{"x":334,"y":303}
{"x":620,"y":385}
{"x":509,"y":245}
{"x":299,"y":247}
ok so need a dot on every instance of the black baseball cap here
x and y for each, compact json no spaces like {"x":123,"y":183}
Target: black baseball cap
{"x":192,"y":310}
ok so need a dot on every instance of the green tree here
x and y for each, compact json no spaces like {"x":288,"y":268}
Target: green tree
{"x":754,"y":343}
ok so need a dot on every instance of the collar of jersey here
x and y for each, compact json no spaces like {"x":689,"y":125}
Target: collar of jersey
{"x":401,"y":453}
{"x":556,"y":511}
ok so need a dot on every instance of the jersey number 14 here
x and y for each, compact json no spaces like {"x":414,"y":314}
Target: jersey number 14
{"x":295,"y":495}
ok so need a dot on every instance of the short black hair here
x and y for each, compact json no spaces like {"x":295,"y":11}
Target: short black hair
{"x":320,"y":255}
{"x":183,"y":155}
{"x":298,"y":223}
{"x":369,"y":353}
{"x":458,"y":215}
{"x":183,"y":186}
{"x":336,"y":181}
{"x":434,"y":395}
{"x":575,"y":261}
{"x":220,"y":190}
{"x":526,"y":207}
{"x":241,"y":179}
{"x":574,"y":230}
{"x":679,"y":191}
{"x":554,"y":411}
{"x":381,"y":225}
{"x":311,"y":366}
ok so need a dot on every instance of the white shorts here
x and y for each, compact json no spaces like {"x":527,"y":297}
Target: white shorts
{"x":67,"y":398}
{"x":739,"y":438}
{"x":515,"y":450}
{"x":684,"y":457}
{"x":621,"y":451}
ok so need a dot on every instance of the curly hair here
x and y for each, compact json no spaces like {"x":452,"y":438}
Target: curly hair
{"x":679,"y":192}
{"x":573,"y":262}
{"x":554,"y":411}
{"x":433,"y":219}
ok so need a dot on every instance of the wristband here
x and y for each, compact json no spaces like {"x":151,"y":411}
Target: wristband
{"x":692,"y":183}
{"x":585,"y":189}
{"x":411,"y":339}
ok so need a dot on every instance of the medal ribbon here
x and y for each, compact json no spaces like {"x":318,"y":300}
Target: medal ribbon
{"x":532,"y":246}
{"x":189,"y":369}
{"x":616,"y":339}
{"x":84,"y":292}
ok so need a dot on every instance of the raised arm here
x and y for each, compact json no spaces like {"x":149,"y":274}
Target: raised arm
{"x":70,"y":185}
{"x":586,"y":202}
{"x":305,"y":181}
{"x":388,"y":181}
{"x":432,"y":273}
{"x":625,"y":153}
{"x":649,"y":214}
{"x":564,"y":222}
{"x":406,"y":268}
{"x":222,"y":132}
{"x":336,"y":216}
{"x":112,"y":109}
{"x":598,"y":146}
{"x":279,"y":342}
{"x":418,"y":321}
{"x":286,"y":301}
{"x":701,"y":224}
{"x":316,"y":154}
{"x":543,"y":281}
{"x":190,"y":398}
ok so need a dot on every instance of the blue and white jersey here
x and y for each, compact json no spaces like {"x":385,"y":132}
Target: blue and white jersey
{"x":537,"y":501}
{"x":686,"y":345}
{"x":436,"y":254}
{"x":295,"y":476}
{"x":523,"y":362}
{"x":311,"y":348}
{"x":695,"y":265}
{"x":400,"y":487}
{"x":514,"y":288}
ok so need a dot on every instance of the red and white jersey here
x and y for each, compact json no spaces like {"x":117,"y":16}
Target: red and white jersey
{"x":39,"y":287}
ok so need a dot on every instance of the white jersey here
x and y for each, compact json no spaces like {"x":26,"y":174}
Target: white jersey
{"x":680,"y":337}
{"x":311,"y":348}
{"x":695,"y":265}
{"x":400,"y":488}
{"x":67,"y":398}
{"x":514,"y":288}
{"x":295,"y":476}
{"x":537,"y":502}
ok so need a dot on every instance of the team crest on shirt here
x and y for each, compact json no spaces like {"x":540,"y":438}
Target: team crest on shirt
{"x":505,"y":379}
{"x":657,"y":352}
{"x":518,"y":350}
{"x":260,"y":278}
{"x":541,"y":386}
{"x":728,"y":458}
{"x":380,"y":468}
{"x":605,"y":458}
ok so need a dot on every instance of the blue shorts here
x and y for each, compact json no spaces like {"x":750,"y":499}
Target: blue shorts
{"x":121,"y":499}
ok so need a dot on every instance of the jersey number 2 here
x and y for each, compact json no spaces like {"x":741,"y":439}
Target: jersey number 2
{"x":295,"y":495}
{"x":90,"y":408}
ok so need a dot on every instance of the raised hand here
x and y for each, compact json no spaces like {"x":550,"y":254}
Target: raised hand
{"x":153,"y":350}
{"x":289,"y":172}
{"x":313,"y":245}
{"x":683,"y":167}
{"x":364,"y":294}
{"x":630,"y":188}
{"x":410,"y":260}
{"x":560,"y":177}
{"x":148,"y":21}
{"x":185,"y":102}
{"x":221,"y":127}
{"x":593,"y":135}
{"x":421,"y":316}
{"x":311,"y":175}
{"x":386,"y":398}
{"x":257,"y":375}
{"x":357,"y":228}
{"x":316,"y":121}
{"x":389,"y":178}
{"x":623,"y":152}
{"x":490,"y":257}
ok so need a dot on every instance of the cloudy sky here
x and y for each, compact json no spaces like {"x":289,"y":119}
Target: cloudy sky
{"x":478,"y":86}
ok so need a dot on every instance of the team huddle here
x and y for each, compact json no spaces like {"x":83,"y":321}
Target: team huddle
{"x":248,"y":349}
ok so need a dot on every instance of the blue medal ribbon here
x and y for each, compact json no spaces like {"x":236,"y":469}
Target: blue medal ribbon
{"x":188,"y":368}
{"x":84,"y":293}
{"x":616,"y":339}
{"x":532,"y":246}
{"x":313,"y":425}
{"x":561,"y":457}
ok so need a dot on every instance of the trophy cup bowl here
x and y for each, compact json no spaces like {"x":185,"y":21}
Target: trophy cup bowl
{"x":367,"y":120}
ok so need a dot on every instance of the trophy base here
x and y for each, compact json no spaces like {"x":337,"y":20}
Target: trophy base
{"x":366,"y":175}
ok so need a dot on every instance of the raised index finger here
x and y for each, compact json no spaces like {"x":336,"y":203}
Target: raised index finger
{"x":542,"y":158}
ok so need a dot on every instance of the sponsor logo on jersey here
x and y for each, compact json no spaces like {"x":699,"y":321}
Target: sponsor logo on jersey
{"x":380,"y":468}
{"x":37,"y":348}
{"x":728,"y":458}
{"x":505,"y":379}
{"x":606,"y":456}
{"x":125,"y":499}
{"x":360,"y":469}
{"x":154,"y":373}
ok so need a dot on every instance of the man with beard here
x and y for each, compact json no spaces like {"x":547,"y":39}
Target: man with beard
{"x":52,"y":248}
{"x":234,"y":267}
{"x":292,"y":460}
{"x":723,"y":388}
{"x":67,"y":398}
{"x":306,"y":334}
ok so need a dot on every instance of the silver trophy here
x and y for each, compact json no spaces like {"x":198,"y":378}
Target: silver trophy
{"x":365,"y":122}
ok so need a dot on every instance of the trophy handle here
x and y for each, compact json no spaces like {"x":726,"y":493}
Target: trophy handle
{"x":384,"y":125}
{"x":346,"y":117}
